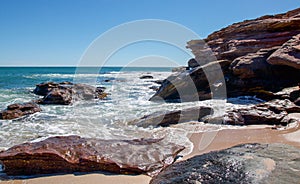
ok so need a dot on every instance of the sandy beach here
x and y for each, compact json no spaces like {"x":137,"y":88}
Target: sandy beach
{"x":203,"y":143}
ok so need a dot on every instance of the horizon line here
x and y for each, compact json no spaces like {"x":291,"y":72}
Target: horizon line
{"x":3,"y":66}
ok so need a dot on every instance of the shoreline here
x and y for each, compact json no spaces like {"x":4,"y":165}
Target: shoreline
{"x":222,"y":139}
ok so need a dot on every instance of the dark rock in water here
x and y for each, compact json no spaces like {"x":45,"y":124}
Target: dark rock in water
{"x":180,"y":69}
{"x":44,"y":88}
{"x":155,"y":88}
{"x":248,"y":163}
{"x":158,"y":81}
{"x":75,"y":154}
{"x":66,"y":92}
{"x":57,"y":96}
{"x":17,"y":110}
{"x":192,"y":85}
{"x":146,"y":77}
{"x":174,"y":117}
{"x":288,"y":54}
{"x":270,"y":113}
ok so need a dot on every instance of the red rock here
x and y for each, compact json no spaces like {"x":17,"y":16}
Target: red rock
{"x":288,"y":54}
{"x":17,"y":110}
{"x":65,"y":93}
{"x":248,"y":36}
{"x":67,"y":154}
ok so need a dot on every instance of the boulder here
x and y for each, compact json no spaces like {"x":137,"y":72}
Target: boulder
{"x":65,"y":93}
{"x":193,"y":63}
{"x":253,"y":65}
{"x":174,"y":117}
{"x":18,"y":110}
{"x":146,"y":77}
{"x":44,"y":88}
{"x":67,"y":154}
{"x":248,"y":163}
{"x":288,"y":54}
{"x":192,"y":85}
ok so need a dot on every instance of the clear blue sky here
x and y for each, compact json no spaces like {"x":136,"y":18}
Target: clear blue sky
{"x":57,"y":32}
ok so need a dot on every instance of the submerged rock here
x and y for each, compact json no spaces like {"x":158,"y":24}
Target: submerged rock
{"x":173,"y":117}
{"x":248,"y":163}
{"x":66,"y":92}
{"x":67,"y":154}
{"x":146,"y":77}
{"x":17,"y":110}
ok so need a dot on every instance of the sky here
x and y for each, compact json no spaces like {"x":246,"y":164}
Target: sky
{"x":59,"y":32}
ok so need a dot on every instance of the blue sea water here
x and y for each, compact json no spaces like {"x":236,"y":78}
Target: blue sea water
{"x":106,"y":119}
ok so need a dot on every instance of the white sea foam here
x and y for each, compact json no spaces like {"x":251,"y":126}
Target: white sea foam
{"x":105,"y":119}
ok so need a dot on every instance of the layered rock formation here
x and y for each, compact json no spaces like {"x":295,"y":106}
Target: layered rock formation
{"x":66,"y":92}
{"x":17,"y":110}
{"x":274,"y":112}
{"x":249,"y":163}
{"x":165,"y":119}
{"x":75,"y":154}
{"x":257,"y":57}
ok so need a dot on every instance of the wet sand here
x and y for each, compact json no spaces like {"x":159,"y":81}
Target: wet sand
{"x":203,"y":143}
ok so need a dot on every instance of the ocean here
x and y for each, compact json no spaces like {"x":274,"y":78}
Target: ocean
{"x":105,"y":119}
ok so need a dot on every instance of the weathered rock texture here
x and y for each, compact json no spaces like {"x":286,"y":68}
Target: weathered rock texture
{"x":287,"y":54}
{"x":262,"y":57}
{"x":66,"y":92}
{"x":19,"y":110}
{"x":75,"y":154}
{"x":274,"y":112}
{"x":249,"y":163}
{"x":174,"y":117}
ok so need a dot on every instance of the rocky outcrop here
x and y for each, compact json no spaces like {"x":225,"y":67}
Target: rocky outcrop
{"x":174,"y":117}
{"x":248,"y":163}
{"x":192,"y":85}
{"x":249,"y":36}
{"x":65,"y":93}
{"x":75,"y":154}
{"x":17,"y":110}
{"x":262,"y":58}
{"x":288,"y":54}
{"x":274,"y":112}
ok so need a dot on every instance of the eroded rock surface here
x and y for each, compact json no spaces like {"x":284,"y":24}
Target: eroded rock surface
{"x":262,"y":58}
{"x":288,"y":54}
{"x":67,"y":154}
{"x":165,"y":119}
{"x":65,"y":93}
{"x":271,"y":113}
{"x":248,"y":163}
{"x":17,"y":110}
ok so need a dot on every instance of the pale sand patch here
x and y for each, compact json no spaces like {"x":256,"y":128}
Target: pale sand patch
{"x":203,"y":143}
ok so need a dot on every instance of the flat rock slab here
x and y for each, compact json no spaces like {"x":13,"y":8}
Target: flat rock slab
{"x":18,"y":110}
{"x":67,"y":154}
{"x":248,"y":163}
